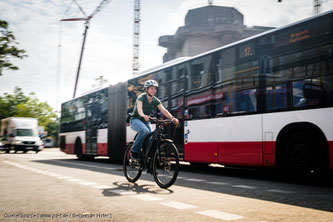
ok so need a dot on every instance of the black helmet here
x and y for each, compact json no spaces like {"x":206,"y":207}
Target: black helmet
{"x":149,"y":83}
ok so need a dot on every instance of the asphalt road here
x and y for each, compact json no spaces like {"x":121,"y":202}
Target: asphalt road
{"x":53,"y":186}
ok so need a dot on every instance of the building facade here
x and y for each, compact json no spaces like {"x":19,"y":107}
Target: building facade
{"x":207,"y":28}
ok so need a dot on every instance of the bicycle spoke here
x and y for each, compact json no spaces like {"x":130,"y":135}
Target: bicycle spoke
{"x":166,"y":165}
{"x":132,"y":168}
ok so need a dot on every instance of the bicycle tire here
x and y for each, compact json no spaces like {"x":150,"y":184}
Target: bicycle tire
{"x":166,"y":164}
{"x":132,"y":170}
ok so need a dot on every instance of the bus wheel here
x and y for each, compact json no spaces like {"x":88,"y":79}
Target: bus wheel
{"x":7,"y":150}
{"x":300,"y":156}
{"x":78,"y":149}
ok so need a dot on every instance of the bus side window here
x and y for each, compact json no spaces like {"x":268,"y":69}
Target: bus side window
{"x":200,"y":75}
{"x":244,"y":101}
{"x":306,"y":93}
{"x":276,"y":97}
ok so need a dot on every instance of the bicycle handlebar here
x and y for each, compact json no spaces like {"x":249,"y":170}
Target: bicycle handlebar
{"x":159,"y":121}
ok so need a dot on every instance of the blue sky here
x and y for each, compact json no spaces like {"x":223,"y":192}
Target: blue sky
{"x":108,"y":50}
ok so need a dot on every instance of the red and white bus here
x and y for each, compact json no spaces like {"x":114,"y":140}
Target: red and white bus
{"x":263,"y":101}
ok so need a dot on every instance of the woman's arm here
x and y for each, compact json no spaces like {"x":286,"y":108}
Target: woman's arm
{"x":140,"y":112}
{"x":167,"y":114}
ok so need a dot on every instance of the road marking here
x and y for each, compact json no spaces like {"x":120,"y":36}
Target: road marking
{"x":182,"y":178}
{"x":194,"y":180}
{"x":281,"y":191}
{"x":220,"y":215}
{"x":86,"y":165}
{"x":122,"y":192}
{"x":40,"y":171}
{"x":178,"y":205}
{"x":104,"y":187}
{"x":64,"y":177}
{"x":44,"y":172}
{"x":60,"y":176}
{"x":14,"y":164}
{"x":244,"y":186}
{"x":74,"y":180}
{"x":54,"y":174}
{"x":147,"y":197}
{"x":26,"y":156}
{"x":87,"y":183}
{"x":217,"y":183}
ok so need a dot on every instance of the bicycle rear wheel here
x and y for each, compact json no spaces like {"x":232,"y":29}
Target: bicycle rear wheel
{"x":132,"y":168}
{"x":166,"y":164}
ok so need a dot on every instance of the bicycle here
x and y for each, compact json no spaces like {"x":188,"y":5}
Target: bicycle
{"x":159,"y":156}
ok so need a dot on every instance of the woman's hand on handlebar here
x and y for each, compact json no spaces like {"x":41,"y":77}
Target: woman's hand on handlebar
{"x":146,"y":118}
{"x":175,"y":121}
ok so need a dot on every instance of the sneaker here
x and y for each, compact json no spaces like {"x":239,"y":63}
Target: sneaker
{"x":134,"y":155}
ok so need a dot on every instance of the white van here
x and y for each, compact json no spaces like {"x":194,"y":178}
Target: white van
{"x":20,"y":134}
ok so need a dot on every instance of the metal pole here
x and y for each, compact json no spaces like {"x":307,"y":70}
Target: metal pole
{"x":82,"y":49}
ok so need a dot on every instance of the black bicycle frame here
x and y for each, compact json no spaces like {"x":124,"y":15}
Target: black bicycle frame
{"x":156,"y":137}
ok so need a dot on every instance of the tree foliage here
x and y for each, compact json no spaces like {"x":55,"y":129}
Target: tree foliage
{"x":8,"y":49}
{"x":20,"y":105}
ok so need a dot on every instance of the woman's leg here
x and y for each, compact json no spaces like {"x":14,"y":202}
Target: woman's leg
{"x":143,"y":130}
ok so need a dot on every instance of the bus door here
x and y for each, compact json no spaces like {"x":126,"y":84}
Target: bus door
{"x":91,"y":128}
{"x":200,"y":146}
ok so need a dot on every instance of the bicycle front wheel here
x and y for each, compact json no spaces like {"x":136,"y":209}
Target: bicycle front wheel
{"x":132,"y":168}
{"x":166,"y":164}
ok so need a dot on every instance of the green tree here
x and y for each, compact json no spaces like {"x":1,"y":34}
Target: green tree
{"x":9,"y":103}
{"x":8,"y":49}
{"x":20,"y":105}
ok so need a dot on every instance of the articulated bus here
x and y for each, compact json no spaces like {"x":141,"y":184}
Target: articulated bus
{"x":265,"y":101}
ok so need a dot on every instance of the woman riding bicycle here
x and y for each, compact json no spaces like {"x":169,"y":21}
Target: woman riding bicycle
{"x":144,"y":105}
